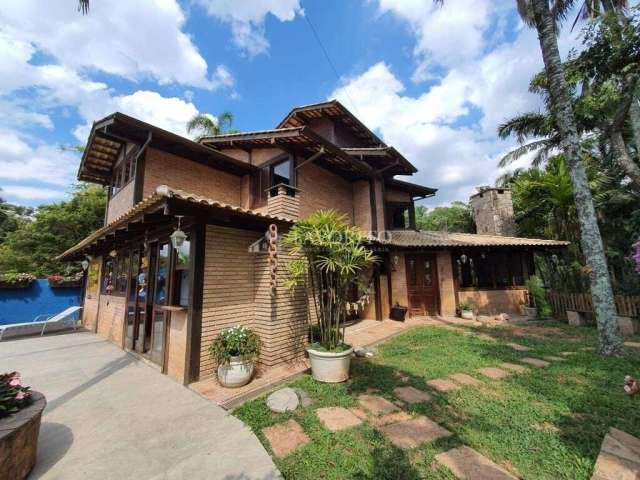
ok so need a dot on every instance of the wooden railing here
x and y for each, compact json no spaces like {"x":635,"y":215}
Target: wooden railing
{"x":627,"y":305}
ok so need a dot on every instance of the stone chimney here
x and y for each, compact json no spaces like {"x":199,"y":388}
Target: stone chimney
{"x":493,"y":211}
{"x":284,"y":201}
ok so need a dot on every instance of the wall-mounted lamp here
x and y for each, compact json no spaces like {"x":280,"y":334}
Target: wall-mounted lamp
{"x":463,"y":258}
{"x":178,"y":236}
{"x":84,"y":264}
{"x":113,"y":253}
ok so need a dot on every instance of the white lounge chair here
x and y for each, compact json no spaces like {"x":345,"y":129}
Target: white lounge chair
{"x":34,"y":326}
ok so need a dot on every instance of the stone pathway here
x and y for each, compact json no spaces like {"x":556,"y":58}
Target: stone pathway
{"x":411,"y":395}
{"x":285,"y":438}
{"x":552,"y":358}
{"x":494,"y":373}
{"x":411,"y":433}
{"x":619,"y":457}
{"x":464,"y":379}
{"x":514,"y":367}
{"x":536,"y":362}
{"x":338,"y":418}
{"x":466,"y":463}
{"x":376,"y":405}
{"x":443,"y":385}
{"x":517,"y":347}
{"x":632,"y":344}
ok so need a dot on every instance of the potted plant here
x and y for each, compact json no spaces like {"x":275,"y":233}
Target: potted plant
{"x":538,"y":297}
{"x":20,"y":414}
{"x":235,"y":351}
{"x":65,"y":281}
{"x":466,"y":309}
{"x":331,"y":257}
{"x":16,"y":280}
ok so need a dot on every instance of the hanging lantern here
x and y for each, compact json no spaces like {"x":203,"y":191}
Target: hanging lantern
{"x":178,"y":236}
{"x":463,"y":258}
{"x":113,"y":253}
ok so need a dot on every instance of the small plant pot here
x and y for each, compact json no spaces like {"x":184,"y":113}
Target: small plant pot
{"x":236,"y":373}
{"x":466,"y":314}
{"x":330,"y":367}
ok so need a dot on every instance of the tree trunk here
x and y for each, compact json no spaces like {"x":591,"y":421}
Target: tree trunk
{"x":623,"y":159}
{"x":610,"y":338}
{"x":634,"y":117}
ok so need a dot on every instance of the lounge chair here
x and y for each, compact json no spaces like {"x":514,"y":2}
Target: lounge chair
{"x":43,"y":321}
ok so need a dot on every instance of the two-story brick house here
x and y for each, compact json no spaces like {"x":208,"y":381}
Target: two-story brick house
{"x":167,"y":304}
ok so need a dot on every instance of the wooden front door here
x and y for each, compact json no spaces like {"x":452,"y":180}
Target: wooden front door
{"x":422,"y":284}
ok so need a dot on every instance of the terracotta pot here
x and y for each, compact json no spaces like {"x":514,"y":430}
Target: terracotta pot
{"x":19,"y":439}
{"x":330,"y":367}
{"x":236,"y":373}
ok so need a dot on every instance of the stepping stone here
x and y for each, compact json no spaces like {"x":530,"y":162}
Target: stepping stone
{"x":518,"y":347}
{"x":376,"y":405}
{"x":411,"y":433}
{"x":536,"y":362}
{"x":283,"y":400}
{"x":484,"y":336}
{"x":619,"y":457}
{"x":443,"y":385}
{"x":494,"y":373}
{"x":464,"y":379}
{"x":305,"y":399}
{"x":632,"y":344}
{"x":285,"y":438}
{"x":337,"y":418}
{"x":467,"y":464}
{"x":588,"y":349}
{"x":514,"y":367}
{"x":566,"y":354}
{"x":358,"y":412}
{"x":411,"y":395}
{"x":390,"y":418}
{"x":401,"y":376}
{"x":551,"y":358}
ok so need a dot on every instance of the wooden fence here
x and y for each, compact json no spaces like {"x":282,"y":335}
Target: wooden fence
{"x":627,"y":306}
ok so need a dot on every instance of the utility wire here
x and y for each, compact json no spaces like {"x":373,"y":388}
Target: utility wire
{"x":328,"y":58}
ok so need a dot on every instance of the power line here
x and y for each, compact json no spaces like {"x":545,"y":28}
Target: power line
{"x":327,"y":57}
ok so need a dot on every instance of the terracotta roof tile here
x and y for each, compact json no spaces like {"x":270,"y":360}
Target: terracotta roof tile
{"x":407,"y":238}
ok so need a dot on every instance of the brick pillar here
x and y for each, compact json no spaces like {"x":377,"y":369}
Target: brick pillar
{"x":286,"y":203}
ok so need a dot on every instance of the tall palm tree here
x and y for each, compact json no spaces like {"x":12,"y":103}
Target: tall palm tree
{"x":207,"y":126}
{"x":539,"y":14}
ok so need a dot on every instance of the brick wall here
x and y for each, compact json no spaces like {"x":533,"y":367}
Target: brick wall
{"x":493,"y":302}
{"x":163,"y":168}
{"x":111,"y":318}
{"x":362,"y":205}
{"x":121,"y":202}
{"x":392,"y":195}
{"x":399,"y":280}
{"x":323,"y":190}
{"x":445,"y":280}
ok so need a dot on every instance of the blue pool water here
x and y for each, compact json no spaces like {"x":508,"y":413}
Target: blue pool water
{"x":23,"y":304}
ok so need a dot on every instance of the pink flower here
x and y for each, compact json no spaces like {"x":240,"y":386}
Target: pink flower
{"x":20,"y":396}
{"x":14,"y":382}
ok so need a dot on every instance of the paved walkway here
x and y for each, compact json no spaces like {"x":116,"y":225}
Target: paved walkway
{"x":110,"y":416}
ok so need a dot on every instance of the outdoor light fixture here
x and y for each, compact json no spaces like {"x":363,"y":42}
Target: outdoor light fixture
{"x":463,"y":258}
{"x":113,"y":253}
{"x":178,"y":236}
{"x":85,"y":264}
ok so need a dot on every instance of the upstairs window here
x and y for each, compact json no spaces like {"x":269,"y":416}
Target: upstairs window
{"x":281,"y":173}
{"x":401,"y":216}
{"x":124,"y":171}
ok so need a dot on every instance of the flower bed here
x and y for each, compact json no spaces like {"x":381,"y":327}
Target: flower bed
{"x":60,"y":281}
{"x":16,"y":280}
{"x":20,"y":415}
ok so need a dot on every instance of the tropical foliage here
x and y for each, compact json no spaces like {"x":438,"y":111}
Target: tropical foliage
{"x":453,"y":218}
{"x":332,"y":255}
{"x":33,"y":246}
{"x":204,"y":125}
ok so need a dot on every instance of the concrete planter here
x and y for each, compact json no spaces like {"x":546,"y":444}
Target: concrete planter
{"x":19,"y":439}
{"x":330,"y":367}
{"x":236,"y":373}
{"x":466,"y":314}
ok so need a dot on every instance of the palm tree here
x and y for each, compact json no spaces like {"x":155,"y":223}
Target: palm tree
{"x":537,"y":13}
{"x":83,"y":6}
{"x":208,"y":126}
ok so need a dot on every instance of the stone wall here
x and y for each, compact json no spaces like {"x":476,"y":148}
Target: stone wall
{"x":494,"y":302}
{"x":493,"y":212}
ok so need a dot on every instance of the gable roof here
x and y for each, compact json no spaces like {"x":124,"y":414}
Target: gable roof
{"x":333,"y":109}
{"x":109,"y":135}
{"x":386,"y":159}
{"x":413,"y":188}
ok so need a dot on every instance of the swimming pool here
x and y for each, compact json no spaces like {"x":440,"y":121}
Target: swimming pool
{"x":24,"y":304}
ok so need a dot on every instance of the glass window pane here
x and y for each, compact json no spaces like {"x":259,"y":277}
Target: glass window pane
{"x":282,"y":173}
{"x":428,"y":273}
{"x":162,"y":278}
{"x":107,"y":277}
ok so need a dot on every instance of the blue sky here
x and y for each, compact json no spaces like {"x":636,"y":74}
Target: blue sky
{"x":434,"y":82}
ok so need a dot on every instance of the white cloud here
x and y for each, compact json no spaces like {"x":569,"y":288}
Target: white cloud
{"x":131,"y":39}
{"x":32,"y":193}
{"x":247,"y":18}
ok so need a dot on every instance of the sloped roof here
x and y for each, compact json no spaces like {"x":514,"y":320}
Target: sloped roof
{"x":414,"y":239}
{"x":385,"y":158}
{"x":161,"y":194}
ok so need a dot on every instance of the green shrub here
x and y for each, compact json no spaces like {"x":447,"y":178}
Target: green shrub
{"x":238,"y":341}
{"x":538,"y":296}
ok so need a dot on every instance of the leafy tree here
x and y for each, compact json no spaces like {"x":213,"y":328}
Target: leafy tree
{"x":11,"y":217}
{"x":538,"y":14}
{"x":454,"y":218}
{"x":34,"y":245}
{"x":207,"y":126}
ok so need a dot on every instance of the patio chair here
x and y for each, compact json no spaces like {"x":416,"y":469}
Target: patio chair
{"x":43,"y":321}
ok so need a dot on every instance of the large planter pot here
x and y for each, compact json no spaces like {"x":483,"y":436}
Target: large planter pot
{"x":466,"y":314}
{"x":236,"y":373}
{"x":330,"y":367}
{"x":19,"y":439}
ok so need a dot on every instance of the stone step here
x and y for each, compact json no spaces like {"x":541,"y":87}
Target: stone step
{"x":467,"y":464}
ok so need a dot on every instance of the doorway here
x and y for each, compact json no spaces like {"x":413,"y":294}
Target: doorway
{"x":422,"y":284}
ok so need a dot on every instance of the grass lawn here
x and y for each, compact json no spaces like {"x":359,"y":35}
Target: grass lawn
{"x":544,"y":424}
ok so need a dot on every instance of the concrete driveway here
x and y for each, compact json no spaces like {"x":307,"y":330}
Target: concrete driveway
{"x":111,"y":416}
